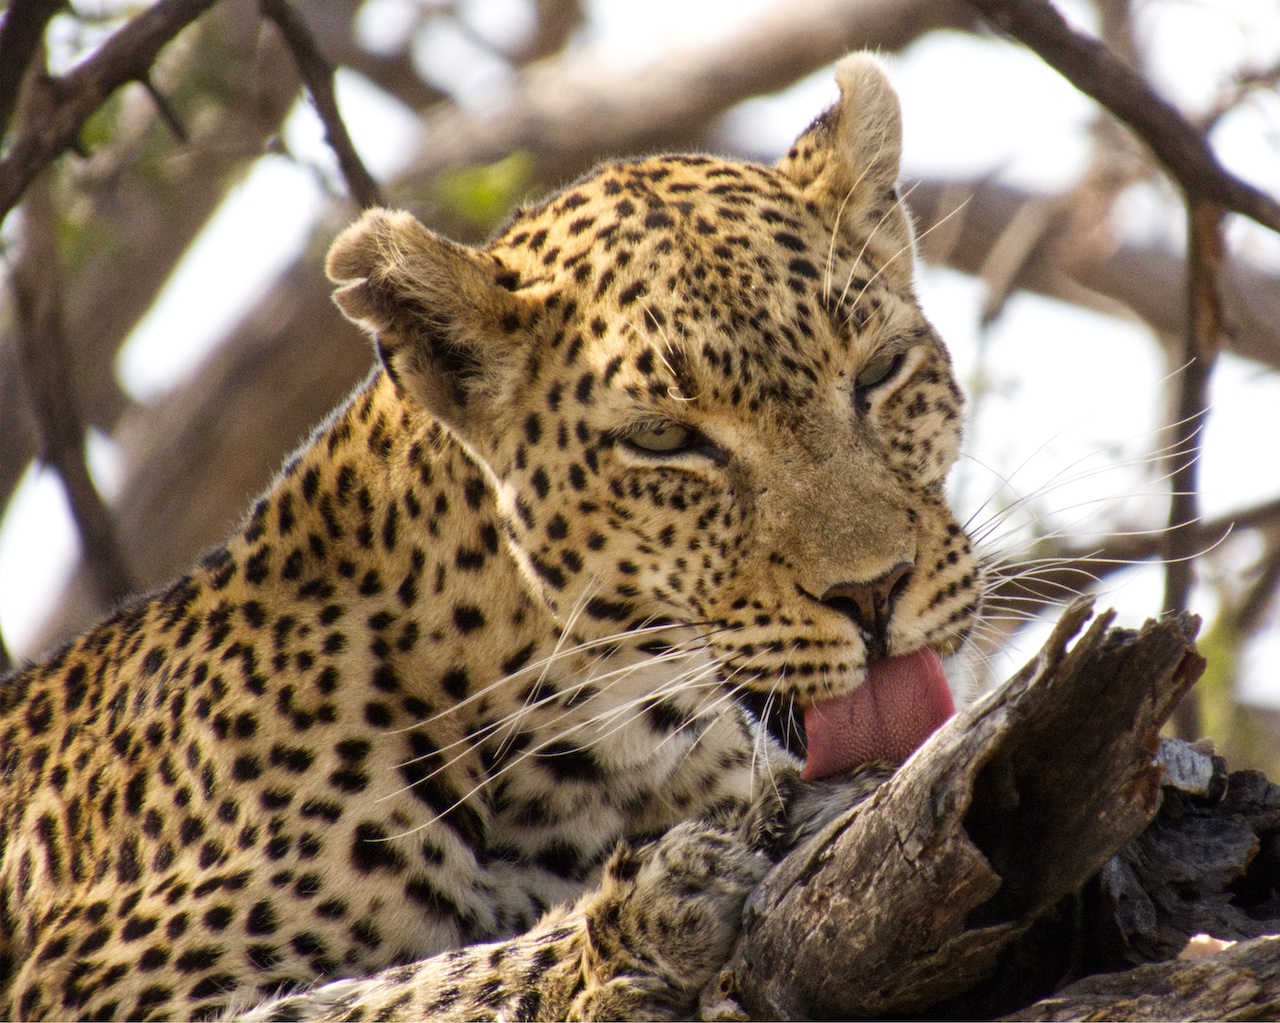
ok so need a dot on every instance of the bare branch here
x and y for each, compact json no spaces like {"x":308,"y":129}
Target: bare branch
{"x":569,"y":114}
{"x":1203,"y":339}
{"x":1259,"y":596}
{"x":1148,"y":280}
{"x":167,"y":114}
{"x":20,"y":36}
{"x":126,"y":57}
{"x":557,"y":20}
{"x":1093,"y":69}
{"x":330,"y":21}
{"x":317,"y":73}
{"x":35,"y":281}
{"x":1267,"y":78}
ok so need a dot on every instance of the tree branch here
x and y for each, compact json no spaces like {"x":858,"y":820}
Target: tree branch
{"x":21,"y":34}
{"x":1093,"y":69}
{"x":37,"y":299}
{"x":1256,"y":600}
{"x":1242,"y":982}
{"x":1203,"y":339}
{"x":317,"y":73}
{"x":1148,"y":280}
{"x":167,"y":114}
{"x":126,"y":57}
{"x":569,"y":114}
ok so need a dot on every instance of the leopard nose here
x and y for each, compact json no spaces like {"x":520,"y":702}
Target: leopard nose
{"x":870,"y":605}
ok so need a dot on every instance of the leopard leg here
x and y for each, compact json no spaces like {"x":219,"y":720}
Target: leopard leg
{"x":641,"y":946}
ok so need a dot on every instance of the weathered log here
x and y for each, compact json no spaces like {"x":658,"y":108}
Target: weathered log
{"x":1209,"y":864}
{"x":921,"y":894}
{"x":1242,"y":982}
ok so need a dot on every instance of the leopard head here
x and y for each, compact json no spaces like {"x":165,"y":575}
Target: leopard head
{"x":704,"y":393}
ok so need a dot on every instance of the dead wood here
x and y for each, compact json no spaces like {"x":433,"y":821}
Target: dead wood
{"x":914,"y":898}
{"x":1044,"y":856}
{"x":1242,"y":982}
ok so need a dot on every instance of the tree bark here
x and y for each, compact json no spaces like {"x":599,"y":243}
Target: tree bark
{"x":1242,"y":982}
{"x":1033,"y":852}
{"x":911,"y":900}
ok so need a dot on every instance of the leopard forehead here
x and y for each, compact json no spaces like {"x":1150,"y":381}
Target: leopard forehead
{"x":741,"y":287}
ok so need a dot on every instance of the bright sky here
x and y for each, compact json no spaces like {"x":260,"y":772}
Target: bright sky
{"x":1060,"y":387}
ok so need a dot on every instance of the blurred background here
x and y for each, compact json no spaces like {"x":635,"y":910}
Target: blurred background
{"x":166,"y":335}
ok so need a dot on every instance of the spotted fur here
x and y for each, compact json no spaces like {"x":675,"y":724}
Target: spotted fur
{"x":464,"y":721}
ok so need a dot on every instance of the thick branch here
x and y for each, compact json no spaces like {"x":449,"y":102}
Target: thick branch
{"x":569,"y":114}
{"x":45,"y":360}
{"x":317,"y":73}
{"x":1093,"y":69}
{"x":21,"y":34}
{"x":1208,"y":865}
{"x":126,"y":57}
{"x":1241,"y":983}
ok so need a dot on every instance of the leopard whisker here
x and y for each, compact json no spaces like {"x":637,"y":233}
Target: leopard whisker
{"x":835,"y":229}
{"x":555,"y":695}
{"x":603,"y":682}
{"x":544,"y":665}
{"x":982,"y":531}
{"x":524,"y":754}
{"x":900,"y":201}
{"x":1060,"y":478}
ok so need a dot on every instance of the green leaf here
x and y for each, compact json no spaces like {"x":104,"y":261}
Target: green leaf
{"x":485,"y":194}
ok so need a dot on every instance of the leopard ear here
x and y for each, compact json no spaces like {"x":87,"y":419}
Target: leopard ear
{"x":848,"y":159}
{"x":447,"y":331}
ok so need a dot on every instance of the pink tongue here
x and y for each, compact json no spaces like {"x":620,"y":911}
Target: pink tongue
{"x":901,"y":703}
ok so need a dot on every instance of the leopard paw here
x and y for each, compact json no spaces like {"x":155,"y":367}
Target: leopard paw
{"x":670,"y":911}
{"x":794,"y":809}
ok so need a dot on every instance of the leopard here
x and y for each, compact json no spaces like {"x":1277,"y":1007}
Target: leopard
{"x":628,"y":566}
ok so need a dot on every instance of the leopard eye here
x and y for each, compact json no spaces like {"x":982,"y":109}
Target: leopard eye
{"x":879,"y":369}
{"x":662,"y":439}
